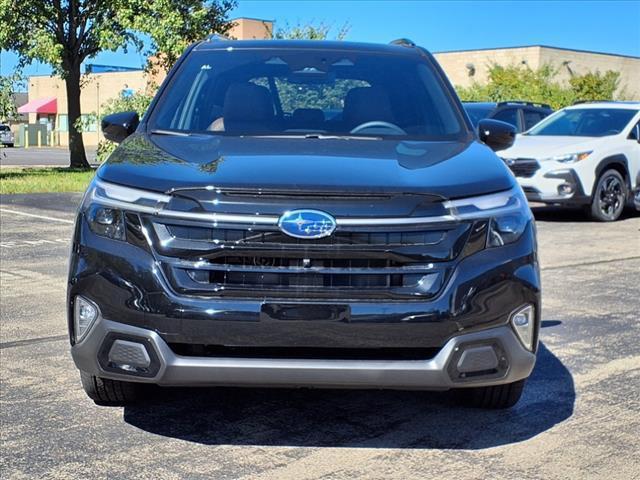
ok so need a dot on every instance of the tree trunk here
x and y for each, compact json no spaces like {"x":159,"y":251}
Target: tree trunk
{"x":76,"y":145}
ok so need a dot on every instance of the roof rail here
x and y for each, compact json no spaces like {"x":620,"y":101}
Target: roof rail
{"x":523,"y":102}
{"x":403,"y":42}
{"x":216,"y":37}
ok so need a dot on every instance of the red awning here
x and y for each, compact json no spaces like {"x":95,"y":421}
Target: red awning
{"x":41,"y":105}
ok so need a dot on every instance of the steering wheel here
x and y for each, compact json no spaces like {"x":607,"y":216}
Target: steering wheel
{"x":379,"y":123}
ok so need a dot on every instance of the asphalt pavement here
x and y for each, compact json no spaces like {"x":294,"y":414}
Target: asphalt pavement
{"x":579,"y":416}
{"x":40,"y":157}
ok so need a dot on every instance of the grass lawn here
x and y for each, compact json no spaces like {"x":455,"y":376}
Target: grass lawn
{"x":33,"y":180}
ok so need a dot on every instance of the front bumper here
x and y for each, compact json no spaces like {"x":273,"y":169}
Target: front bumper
{"x":547,"y":187}
{"x":137,"y":304}
{"x":448,"y":369}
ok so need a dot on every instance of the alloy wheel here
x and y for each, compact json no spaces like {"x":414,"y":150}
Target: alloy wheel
{"x":611,"y":196}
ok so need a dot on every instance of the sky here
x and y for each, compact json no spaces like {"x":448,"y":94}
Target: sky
{"x":603,"y":26}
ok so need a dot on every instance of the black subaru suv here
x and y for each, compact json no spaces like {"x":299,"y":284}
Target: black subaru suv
{"x":305,"y":214}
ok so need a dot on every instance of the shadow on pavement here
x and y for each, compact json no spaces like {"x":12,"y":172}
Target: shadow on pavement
{"x":356,"y":418}
{"x":573,"y":214}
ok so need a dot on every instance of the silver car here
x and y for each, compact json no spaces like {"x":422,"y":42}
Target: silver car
{"x":6,"y":135}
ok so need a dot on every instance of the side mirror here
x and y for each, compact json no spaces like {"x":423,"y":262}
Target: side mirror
{"x":118,"y":126}
{"x":495,"y":134}
{"x":635,"y":133}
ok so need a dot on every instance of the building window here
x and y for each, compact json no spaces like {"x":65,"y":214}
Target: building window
{"x":63,"y":122}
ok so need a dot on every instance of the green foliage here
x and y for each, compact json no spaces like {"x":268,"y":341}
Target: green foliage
{"x":595,"y":86}
{"x":325,"y":96}
{"x":540,"y":85}
{"x":173,"y":25}
{"x":64,"y":33}
{"x":311,"y":31}
{"x":8,"y":110}
{"x":137,"y":102}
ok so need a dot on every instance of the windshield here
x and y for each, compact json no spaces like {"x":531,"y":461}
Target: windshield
{"x":308,"y":92}
{"x":585,"y":122}
{"x":478,"y":111}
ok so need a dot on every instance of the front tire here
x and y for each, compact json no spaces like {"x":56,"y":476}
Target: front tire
{"x":609,"y":197}
{"x":495,"y":396}
{"x":104,"y":391}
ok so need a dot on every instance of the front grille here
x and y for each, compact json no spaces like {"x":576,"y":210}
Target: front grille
{"x":219,"y":351}
{"x":262,"y":262}
{"x":251,"y":237}
{"x":269,"y":272}
{"x":523,"y":167}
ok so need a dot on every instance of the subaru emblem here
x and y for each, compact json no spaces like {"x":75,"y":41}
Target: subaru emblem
{"x":307,"y":224}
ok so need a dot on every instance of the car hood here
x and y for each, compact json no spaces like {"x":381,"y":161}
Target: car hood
{"x":447,"y":169}
{"x":545,"y":146}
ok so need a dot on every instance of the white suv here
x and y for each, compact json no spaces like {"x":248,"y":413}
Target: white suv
{"x":587,"y":154}
{"x":6,"y":135}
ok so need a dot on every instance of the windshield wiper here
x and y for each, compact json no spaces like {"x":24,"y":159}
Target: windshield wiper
{"x":322,"y":136}
{"x":319,"y":136}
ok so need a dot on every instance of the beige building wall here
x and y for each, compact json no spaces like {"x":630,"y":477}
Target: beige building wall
{"x":251,"y":29}
{"x":96,"y":90}
{"x":579,"y":63}
{"x":460,"y":65}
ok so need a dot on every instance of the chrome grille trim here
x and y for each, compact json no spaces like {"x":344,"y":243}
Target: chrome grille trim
{"x":120,"y":196}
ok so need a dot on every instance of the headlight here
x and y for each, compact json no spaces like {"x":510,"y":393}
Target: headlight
{"x":506,"y":229}
{"x":508,"y":214}
{"x":104,"y":206}
{"x":569,"y":157}
{"x":106,"y":221}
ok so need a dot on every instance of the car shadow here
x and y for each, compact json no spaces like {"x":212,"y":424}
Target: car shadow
{"x":355,"y":418}
{"x":572,"y":214}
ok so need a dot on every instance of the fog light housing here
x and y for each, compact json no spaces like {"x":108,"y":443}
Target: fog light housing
{"x":522,"y":322}
{"x":132,"y":357}
{"x":85,"y":314}
{"x":565,"y":189}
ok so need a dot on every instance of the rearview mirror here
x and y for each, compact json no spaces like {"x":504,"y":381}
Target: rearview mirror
{"x":495,"y":134}
{"x":118,"y":126}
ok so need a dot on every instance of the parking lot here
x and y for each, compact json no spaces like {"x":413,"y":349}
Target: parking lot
{"x":579,"y":416}
{"x":38,"y":157}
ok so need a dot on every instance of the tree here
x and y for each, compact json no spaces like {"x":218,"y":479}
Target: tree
{"x":136,"y":102}
{"x":323,"y":96}
{"x":310,"y":31}
{"x":595,"y":86}
{"x":64,"y":33}
{"x":8,"y":110}
{"x":540,"y":85}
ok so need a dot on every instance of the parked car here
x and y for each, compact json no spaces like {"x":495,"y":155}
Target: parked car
{"x":240,"y":235}
{"x":584,"y":155}
{"x":6,"y":136}
{"x":522,"y":115}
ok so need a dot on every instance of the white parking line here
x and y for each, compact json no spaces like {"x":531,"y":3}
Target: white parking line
{"x":43,"y":217}
{"x":33,"y":243}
